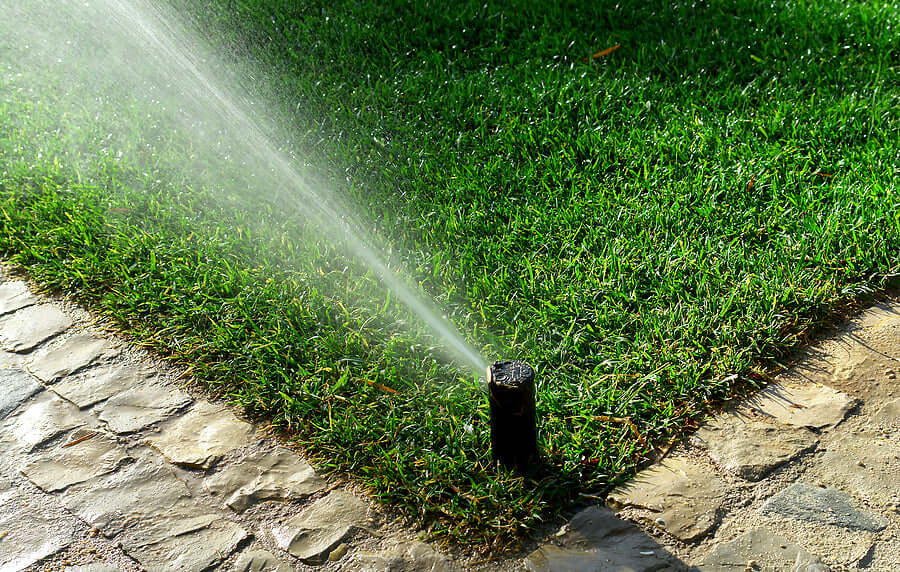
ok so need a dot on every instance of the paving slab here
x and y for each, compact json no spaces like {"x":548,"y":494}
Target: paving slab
{"x":260,"y":561}
{"x":595,"y":539}
{"x":316,"y":531}
{"x":868,"y":464}
{"x":30,"y":535}
{"x":192,"y":551}
{"x":14,"y":296}
{"x":683,"y":497}
{"x":100,"y":383}
{"x":43,"y":418}
{"x":16,"y":386}
{"x":27,"y":328}
{"x":141,"y":406}
{"x":753,"y":448}
{"x":264,"y":475}
{"x":800,"y":404}
{"x":73,"y":354}
{"x":760,"y":549}
{"x":202,"y":436}
{"x":86,"y":454}
{"x":802,"y":501}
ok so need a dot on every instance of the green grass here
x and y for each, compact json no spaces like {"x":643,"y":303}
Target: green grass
{"x":640,"y":227}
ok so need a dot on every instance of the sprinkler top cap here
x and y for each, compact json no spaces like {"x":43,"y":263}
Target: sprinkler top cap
{"x":510,"y":373}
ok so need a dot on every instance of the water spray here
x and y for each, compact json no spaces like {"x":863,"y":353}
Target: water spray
{"x":513,"y":415}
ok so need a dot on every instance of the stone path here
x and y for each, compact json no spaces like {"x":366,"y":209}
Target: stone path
{"x":107,"y":463}
{"x":804,"y":476}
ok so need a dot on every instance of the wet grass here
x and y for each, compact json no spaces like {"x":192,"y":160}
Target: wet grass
{"x":644,"y":226}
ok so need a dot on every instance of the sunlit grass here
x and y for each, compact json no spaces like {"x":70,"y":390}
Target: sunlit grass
{"x":640,"y":226}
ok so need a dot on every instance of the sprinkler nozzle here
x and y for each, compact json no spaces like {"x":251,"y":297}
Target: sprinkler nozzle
{"x":513,"y":416}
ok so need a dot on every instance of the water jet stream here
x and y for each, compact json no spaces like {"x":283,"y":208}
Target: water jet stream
{"x":161,"y":40}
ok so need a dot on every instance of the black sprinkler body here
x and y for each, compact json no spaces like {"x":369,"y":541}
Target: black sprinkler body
{"x":513,"y":416}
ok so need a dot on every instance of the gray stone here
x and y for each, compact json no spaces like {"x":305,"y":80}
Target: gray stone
{"x":866,"y":464}
{"x":44,"y":418}
{"x":684,"y":498}
{"x":276,"y":475}
{"x":202,"y":436}
{"x":805,"y":502}
{"x":595,"y":539}
{"x":193,"y":551}
{"x":27,"y":328}
{"x":752,"y":448}
{"x":404,"y":557}
{"x":769,"y":551}
{"x":15,"y":387}
{"x":801,"y":404}
{"x":311,"y":535}
{"x":15,"y":296}
{"x":76,"y":461}
{"x":73,"y":354}
{"x":260,"y":561}
{"x":100,"y":383}
{"x":30,"y":535}
{"x":141,"y":406}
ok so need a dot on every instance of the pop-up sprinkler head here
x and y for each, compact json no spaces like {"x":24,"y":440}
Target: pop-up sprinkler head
{"x":513,"y":417}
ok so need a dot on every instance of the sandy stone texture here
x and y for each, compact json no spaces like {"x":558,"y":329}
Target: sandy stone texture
{"x":86,"y":454}
{"x":73,"y":354}
{"x":141,"y":406}
{"x":760,"y":549}
{"x":682,"y":497}
{"x":25,"y":329}
{"x":44,"y":418}
{"x":18,"y":385}
{"x":100,"y":383}
{"x":316,"y":531}
{"x":14,"y":296}
{"x":800,"y":404}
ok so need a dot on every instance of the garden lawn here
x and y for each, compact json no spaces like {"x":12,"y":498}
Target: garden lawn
{"x":647,"y":227}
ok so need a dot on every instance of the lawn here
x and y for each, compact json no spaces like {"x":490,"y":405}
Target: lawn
{"x":647,"y":227}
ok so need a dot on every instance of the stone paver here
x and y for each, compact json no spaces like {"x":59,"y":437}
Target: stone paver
{"x":801,"y":404}
{"x":193,"y":551}
{"x":683,"y":497}
{"x":801,"y":501}
{"x":17,"y":386}
{"x":760,"y":549}
{"x":867,"y":464}
{"x":15,"y":296}
{"x":73,"y":354}
{"x":275,"y":475}
{"x":888,"y":414}
{"x":752,"y":448}
{"x":595,"y":539}
{"x":29,"y":535}
{"x":259,"y":561}
{"x":202,"y":436}
{"x":87,"y":454}
{"x":44,"y":418}
{"x":141,"y":406}
{"x":311,"y":535}
{"x":101,"y":383}
{"x":25,"y":329}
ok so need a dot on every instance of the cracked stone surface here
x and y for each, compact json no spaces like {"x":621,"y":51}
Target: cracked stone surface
{"x":801,"y":404}
{"x":25,"y":329}
{"x":260,"y":561}
{"x":801,"y":501}
{"x":311,"y":535}
{"x":193,"y":551}
{"x":202,"y":436}
{"x":767,"y":550}
{"x":752,"y":448}
{"x":73,"y":354}
{"x":683,"y":497}
{"x":29,"y":535}
{"x":100,"y":383}
{"x":98,"y":454}
{"x":17,"y":386}
{"x":864,"y":463}
{"x":15,"y":296}
{"x":278,"y":475}
{"x":44,"y":418}
{"x":141,"y":406}
{"x":595,"y":539}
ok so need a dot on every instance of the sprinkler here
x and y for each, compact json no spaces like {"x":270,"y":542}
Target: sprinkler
{"x":513,"y":418}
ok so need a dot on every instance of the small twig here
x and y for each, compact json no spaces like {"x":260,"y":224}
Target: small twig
{"x":79,"y":440}
{"x":383,"y":387}
{"x":605,"y":52}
